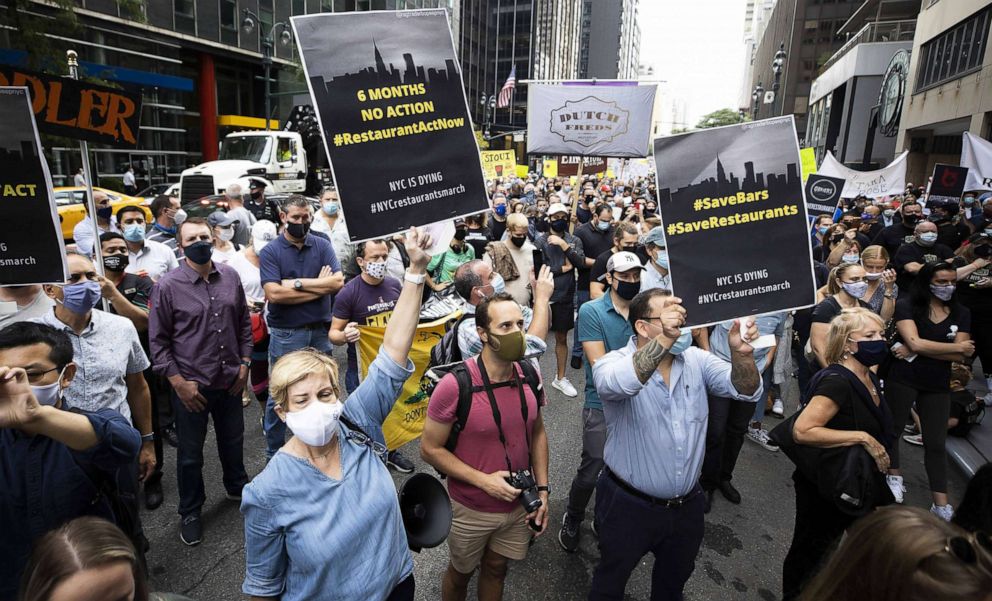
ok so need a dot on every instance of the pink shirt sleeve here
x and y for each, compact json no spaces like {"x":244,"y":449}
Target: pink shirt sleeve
{"x":444,"y":402}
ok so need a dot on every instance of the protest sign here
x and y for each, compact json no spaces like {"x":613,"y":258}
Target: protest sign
{"x":549,"y":168}
{"x":888,"y":181}
{"x":78,"y":109}
{"x":405,"y":421}
{"x":947,"y":184}
{"x":589,"y":120}
{"x":822,"y":194}
{"x":731,"y":203}
{"x":499,"y":163}
{"x":809,"y":162}
{"x":391,"y":107}
{"x":522,"y":171}
{"x":569,"y":165}
{"x":31,"y":246}
{"x":976,"y":155}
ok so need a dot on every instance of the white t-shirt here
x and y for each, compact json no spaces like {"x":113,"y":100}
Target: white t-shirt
{"x":223,"y":256}
{"x":251,"y":279}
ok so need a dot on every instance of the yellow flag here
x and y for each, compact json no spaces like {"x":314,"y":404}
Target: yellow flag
{"x":406,"y":420}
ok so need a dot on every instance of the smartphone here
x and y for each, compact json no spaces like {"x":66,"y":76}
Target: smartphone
{"x":538,"y":261}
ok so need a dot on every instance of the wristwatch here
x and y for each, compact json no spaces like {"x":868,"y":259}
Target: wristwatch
{"x":246,"y":363}
{"x":415,"y":278}
{"x":150,"y":437}
{"x":546,"y":489}
{"x":297,"y":285}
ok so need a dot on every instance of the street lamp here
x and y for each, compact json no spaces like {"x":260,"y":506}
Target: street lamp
{"x":777,"y":66}
{"x":756,"y":96}
{"x":489,"y":106}
{"x":268,"y":45}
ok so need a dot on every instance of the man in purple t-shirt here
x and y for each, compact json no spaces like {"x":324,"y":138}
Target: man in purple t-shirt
{"x":367,"y":300}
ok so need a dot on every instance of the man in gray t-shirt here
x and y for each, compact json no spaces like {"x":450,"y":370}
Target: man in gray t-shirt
{"x":236,"y":208}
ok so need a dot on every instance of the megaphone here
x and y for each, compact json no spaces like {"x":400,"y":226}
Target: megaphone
{"x":426,"y":511}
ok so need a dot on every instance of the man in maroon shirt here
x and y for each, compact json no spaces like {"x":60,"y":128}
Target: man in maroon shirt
{"x":200,"y":336}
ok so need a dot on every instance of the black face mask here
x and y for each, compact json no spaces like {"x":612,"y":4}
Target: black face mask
{"x":518,"y":241}
{"x":458,"y":248}
{"x":115,"y":262}
{"x":631,"y":249}
{"x":199,"y":252}
{"x":910,"y":219}
{"x":626,"y":290}
{"x":559,"y":225}
{"x":983,"y":251}
{"x":298,"y":230}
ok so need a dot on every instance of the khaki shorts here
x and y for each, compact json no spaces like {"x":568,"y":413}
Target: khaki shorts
{"x":472,"y":532}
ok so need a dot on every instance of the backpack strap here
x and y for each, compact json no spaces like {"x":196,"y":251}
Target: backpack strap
{"x":534,"y":380}
{"x":464,"y":380}
{"x":456,"y":350}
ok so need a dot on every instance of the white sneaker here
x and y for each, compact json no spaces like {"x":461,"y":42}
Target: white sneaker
{"x":565,"y":387}
{"x":778,"y":408}
{"x":988,"y":398}
{"x":914,"y":439}
{"x":759,"y":436}
{"x":944,"y":512}
{"x":897,"y":487}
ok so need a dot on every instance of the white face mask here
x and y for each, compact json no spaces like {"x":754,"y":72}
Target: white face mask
{"x":50,"y":393}
{"x":226,"y":234}
{"x":317,"y":423}
{"x":376,"y":269}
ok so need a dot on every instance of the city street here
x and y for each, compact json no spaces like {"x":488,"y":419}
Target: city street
{"x":741,"y":555}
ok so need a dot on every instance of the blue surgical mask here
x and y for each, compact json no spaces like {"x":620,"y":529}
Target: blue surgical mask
{"x":823,"y":229}
{"x":134,"y":232}
{"x":927,"y":238}
{"x":662,"y":260}
{"x":603,"y":225}
{"x":50,"y":393}
{"x":330,"y":208}
{"x":498,"y":284}
{"x":684,"y":341}
{"x":80,"y":298}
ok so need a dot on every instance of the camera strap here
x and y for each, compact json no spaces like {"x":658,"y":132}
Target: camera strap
{"x":487,"y":385}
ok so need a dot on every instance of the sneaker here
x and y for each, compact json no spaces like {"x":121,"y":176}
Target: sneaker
{"x":191,"y":531}
{"x":568,"y":536}
{"x":233,"y":496}
{"x":565,"y":387}
{"x":988,"y":399}
{"x":944,"y":512}
{"x":759,"y":436}
{"x":910,"y":429}
{"x":778,"y":408}
{"x":576,"y":363}
{"x":170,"y":437}
{"x":897,"y":487}
{"x":398,"y":462}
{"x":916,"y":439}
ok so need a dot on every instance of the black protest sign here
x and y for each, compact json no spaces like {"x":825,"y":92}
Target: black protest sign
{"x":391,"y":106}
{"x":822,"y":194}
{"x":731,"y":203}
{"x":31,"y":247}
{"x":947,"y":183}
{"x":80,"y":110}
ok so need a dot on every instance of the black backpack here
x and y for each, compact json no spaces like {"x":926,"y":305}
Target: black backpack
{"x":972,"y":412}
{"x":445,"y":352}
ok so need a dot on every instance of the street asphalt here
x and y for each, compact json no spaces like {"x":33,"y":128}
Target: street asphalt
{"x":741,"y":555}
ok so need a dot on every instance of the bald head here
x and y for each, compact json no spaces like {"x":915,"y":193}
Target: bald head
{"x":924,"y":227}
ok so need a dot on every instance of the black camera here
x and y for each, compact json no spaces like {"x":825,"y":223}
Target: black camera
{"x":524,"y":480}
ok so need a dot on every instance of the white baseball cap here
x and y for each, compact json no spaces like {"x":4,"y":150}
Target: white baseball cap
{"x":263,"y":232}
{"x":623,"y":261}
{"x":557,"y":208}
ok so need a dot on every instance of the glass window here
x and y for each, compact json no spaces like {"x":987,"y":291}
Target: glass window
{"x":185,"y":11}
{"x":956,"y":52}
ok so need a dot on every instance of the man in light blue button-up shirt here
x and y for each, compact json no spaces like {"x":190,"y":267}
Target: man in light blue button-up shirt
{"x":654,"y":400}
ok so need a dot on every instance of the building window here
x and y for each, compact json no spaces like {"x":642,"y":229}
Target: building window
{"x":955,"y":53}
{"x":229,"y":22}
{"x":185,"y":15}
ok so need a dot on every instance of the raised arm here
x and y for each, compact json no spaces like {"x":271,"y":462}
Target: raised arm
{"x":403,"y":322}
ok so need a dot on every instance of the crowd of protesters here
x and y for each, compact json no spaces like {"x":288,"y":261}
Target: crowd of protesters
{"x":190,"y":319}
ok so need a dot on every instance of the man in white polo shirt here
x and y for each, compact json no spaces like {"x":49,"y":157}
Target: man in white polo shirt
{"x":146,"y":257}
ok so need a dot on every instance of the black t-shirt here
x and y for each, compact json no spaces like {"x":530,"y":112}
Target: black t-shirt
{"x":599,"y":268}
{"x":979,"y":301}
{"x":914,"y":253}
{"x":894,"y":236}
{"x":594,"y":243}
{"x":960,"y":400}
{"x":137,"y":289}
{"x":852,"y":411}
{"x":830,"y":308}
{"x":497,"y":228}
{"x":269,"y":210}
{"x":926,"y":373}
{"x":952,"y":234}
{"x":479,"y":239}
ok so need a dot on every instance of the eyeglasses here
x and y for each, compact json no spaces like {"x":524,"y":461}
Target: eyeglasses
{"x":75,"y":277}
{"x":964,"y":547}
{"x":34,"y":377}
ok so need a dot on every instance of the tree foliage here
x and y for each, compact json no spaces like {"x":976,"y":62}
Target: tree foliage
{"x":720,"y":118}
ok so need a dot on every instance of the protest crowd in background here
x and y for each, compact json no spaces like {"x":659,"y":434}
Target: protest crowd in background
{"x":204,"y":316}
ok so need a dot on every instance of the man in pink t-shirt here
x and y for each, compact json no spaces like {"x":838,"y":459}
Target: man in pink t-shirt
{"x":489,"y":523}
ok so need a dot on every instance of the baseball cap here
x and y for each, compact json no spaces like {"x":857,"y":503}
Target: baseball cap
{"x":557,"y":207}
{"x":220,"y":218}
{"x":623,"y":261}
{"x":656,"y":236}
{"x":263,"y":232}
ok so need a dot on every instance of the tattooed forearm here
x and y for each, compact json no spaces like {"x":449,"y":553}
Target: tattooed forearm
{"x":647,"y":358}
{"x":744,"y":373}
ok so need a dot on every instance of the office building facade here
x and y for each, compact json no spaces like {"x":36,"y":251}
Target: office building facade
{"x":610,"y":40}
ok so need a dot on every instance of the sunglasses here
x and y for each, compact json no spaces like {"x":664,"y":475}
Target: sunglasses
{"x":965,"y":548}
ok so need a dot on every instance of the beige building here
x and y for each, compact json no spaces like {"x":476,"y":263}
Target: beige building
{"x":949,"y":86}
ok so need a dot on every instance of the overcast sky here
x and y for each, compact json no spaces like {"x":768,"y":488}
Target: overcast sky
{"x":697,"y":47}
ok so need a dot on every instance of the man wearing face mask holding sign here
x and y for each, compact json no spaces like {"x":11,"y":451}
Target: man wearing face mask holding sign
{"x":653,"y":391}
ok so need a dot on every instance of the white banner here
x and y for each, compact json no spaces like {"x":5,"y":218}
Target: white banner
{"x":600,"y":120}
{"x":976,"y":155}
{"x":888,"y":181}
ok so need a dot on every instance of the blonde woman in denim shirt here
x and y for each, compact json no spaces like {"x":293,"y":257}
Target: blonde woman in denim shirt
{"x":322,"y":521}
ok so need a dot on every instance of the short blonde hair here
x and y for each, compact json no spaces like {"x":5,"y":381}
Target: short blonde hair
{"x":841,"y":328}
{"x":873,"y":253}
{"x":516,"y":220}
{"x":295,"y":367}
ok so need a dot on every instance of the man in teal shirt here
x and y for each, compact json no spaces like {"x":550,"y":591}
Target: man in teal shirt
{"x":441,"y":269}
{"x":603,"y":327}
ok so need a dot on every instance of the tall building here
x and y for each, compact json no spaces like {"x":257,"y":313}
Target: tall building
{"x":756,"y":13}
{"x":557,"y":33}
{"x":199,"y":72}
{"x":947,"y":91}
{"x":809,"y":30}
{"x":610,"y":42}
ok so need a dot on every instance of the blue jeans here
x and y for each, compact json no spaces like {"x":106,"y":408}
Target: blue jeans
{"x":630,"y":528}
{"x":766,"y":387}
{"x":581,"y":297}
{"x":191,"y":429}
{"x":281,"y":342}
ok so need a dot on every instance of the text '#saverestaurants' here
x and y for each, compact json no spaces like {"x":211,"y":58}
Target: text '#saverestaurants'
{"x":732,"y":205}
{"x":392,"y":110}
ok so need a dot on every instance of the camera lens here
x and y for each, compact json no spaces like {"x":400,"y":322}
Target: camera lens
{"x":530,"y":500}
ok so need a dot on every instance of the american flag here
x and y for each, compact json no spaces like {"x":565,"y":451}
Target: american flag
{"x":504,"y":94}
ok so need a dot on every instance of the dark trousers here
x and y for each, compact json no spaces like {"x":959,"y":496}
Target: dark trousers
{"x":584,"y":483}
{"x":934,"y":409}
{"x":159,"y":394}
{"x":819,"y":525}
{"x":727,"y":422}
{"x":404,"y":590}
{"x":191,"y":428}
{"x":630,"y":528}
